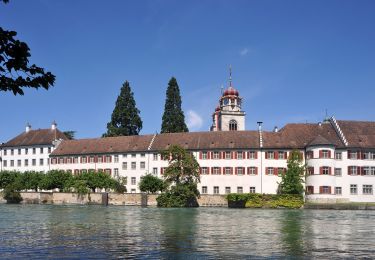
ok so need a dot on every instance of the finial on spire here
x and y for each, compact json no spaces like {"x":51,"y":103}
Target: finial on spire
{"x":230,"y":75}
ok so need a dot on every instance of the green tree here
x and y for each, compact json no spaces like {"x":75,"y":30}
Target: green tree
{"x":56,"y":179}
{"x":125,"y":119}
{"x":15,"y":71}
{"x":151,"y":184}
{"x":96,"y":180}
{"x":7,"y":178}
{"x":70,"y":134}
{"x":173,"y":120}
{"x":291,"y":182}
{"x":182,"y":177}
{"x":30,"y":180}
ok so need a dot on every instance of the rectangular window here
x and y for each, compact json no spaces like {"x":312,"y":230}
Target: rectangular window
{"x":19,"y":151}
{"x":227,"y":190}
{"x":26,"y":150}
{"x":115,"y":158}
{"x":26,"y":162}
{"x":133,"y":180}
{"x":216,"y":189}
{"x":124,"y":155}
{"x":155,"y":171}
{"x":228,"y":170}
{"x":281,"y":155}
{"x":367,"y":189}
{"x":204,"y":189}
{"x":228,"y":155}
{"x":115,"y":173}
{"x":155,"y":156}
{"x":270,"y":171}
{"x":19,"y":163}
{"x":134,"y":165}
{"x":61,"y":161}
{"x":240,"y":171}
{"x":252,"y":155}
{"x":252,"y":171}
{"x":83,"y":159}
{"x":216,"y":171}
{"x":216,"y":155}
{"x":11,"y":152}
{"x":325,"y":170}
{"x":309,"y":154}
{"x":309,"y":189}
{"x":239,"y":155}
{"x":108,"y":158}
{"x":41,"y":162}
{"x":34,"y":162}
{"x":124,"y":165}
{"x":49,"y":149}
{"x":325,"y":190}
{"x":204,"y":170}
{"x":11,"y":163}
{"x":352,"y":155}
{"x":310,"y":170}
{"x":338,"y":172}
{"x":5,"y":163}
{"x":143,"y":155}
{"x":5,"y":151}
{"x":353,"y":170}
{"x":270,"y":155}
{"x":338,"y":155}
{"x":75,"y":159}
{"x":239,"y":190}
{"x":41,"y":150}
{"x":325,"y":154}
{"x":100,"y":159}
{"x":252,"y":190}
{"x":338,"y":190}
{"x":204,"y":155}
{"x":34,"y":150}
{"x":134,"y":155}
{"x":91,"y":159}
{"x":353,"y":189}
{"x":142,"y":165}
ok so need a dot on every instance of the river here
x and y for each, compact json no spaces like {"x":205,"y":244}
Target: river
{"x":76,"y":232}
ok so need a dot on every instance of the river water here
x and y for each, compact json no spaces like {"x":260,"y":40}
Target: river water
{"x":77,"y":232}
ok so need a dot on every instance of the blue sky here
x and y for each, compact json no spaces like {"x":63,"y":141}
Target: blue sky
{"x":291,"y":60}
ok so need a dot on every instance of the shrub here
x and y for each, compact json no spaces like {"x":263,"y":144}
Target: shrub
{"x":253,"y":200}
{"x":12,"y":195}
{"x":178,"y":196}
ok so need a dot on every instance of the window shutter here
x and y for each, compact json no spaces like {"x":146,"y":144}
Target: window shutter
{"x":349,"y":154}
{"x":234,"y":155}
{"x":231,"y":170}
{"x":330,"y":190}
{"x":211,"y":155}
{"x":162,"y":170}
{"x":359,"y":155}
{"x":243,"y":155}
{"x":360,"y":170}
{"x":248,"y":170}
{"x":223,"y":155}
{"x":349,"y":170}
{"x":209,"y":169}
{"x":320,"y":189}
{"x":236,"y":170}
{"x":256,"y":154}
{"x":329,"y":153}
{"x":266,"y":155}
{"x":223,"y":170}
{"x":256,"y":170}
{"x":285,"y":155}
{"x":219,"y":172}
{"x":95,"y":159}
{"x":320,"y":154}
{"x":275,"y":171}
{"x":80,"y":159}
{"x":267,"y":170}
{"x":330,"y":170}
{"x":200,"y":155}
{"x":110,"y":158}
{"x":276,"y":155}
{"x":321,"y":170}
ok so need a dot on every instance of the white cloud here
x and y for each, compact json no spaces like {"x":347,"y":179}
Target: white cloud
{"x":244,"y":51}
{"x":194,"y":121}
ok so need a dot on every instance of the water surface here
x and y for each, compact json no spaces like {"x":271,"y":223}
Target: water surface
{"x":48,"y":231}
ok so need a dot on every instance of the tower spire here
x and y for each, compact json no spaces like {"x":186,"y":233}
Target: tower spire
{"x":230,"y":75}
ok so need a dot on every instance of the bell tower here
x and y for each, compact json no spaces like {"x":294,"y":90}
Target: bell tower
{"x":228,"y":115}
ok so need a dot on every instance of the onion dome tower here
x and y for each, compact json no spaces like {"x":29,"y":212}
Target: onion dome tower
{"x":228,"y":116}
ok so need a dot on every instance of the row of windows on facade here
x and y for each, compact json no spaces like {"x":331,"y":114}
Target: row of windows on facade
{"x":216,"y":190}
{"x":352,"y":170}
{"x":25,"y":151}
{"x":239,"y":170}
{"x":352,"y":155}
{"x":240,"y":155}
{"x":367,"y":189}
{"x":26,"y":162}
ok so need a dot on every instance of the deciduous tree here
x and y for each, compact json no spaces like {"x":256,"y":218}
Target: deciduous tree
{"x":291,"y":182}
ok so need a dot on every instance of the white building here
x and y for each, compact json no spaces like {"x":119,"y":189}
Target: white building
{"x":30,"y":150}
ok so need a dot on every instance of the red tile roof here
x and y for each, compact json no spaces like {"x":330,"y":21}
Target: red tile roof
{"x":36,"y":137}
{"x":359,"y":134}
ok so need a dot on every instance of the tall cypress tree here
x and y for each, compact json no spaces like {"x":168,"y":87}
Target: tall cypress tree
{"x":173,"y":117}
{"x":125,"y":119}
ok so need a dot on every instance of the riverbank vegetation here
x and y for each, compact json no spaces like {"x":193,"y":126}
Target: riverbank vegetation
{"x":181,"y":178}
{"x":255,"y":200}
{"x":13,"y":182}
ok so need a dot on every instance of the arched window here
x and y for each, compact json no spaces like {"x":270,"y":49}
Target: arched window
{"x":232,"y":125}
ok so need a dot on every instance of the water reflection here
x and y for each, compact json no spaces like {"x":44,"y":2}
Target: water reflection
{"x":41,"y":231}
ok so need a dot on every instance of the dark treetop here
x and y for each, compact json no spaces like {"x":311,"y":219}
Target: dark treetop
{"x":173,"y":117}
{"x":125,"y":119}
{"x":15,"y":71}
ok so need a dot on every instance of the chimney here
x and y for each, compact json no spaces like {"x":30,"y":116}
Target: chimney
{"x":260,"y":126}
{"x":275,"y":129}
{"x":54,"y":125}
{"x":28,"y":127}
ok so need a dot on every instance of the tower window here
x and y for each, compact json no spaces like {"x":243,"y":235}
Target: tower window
{"x":232,"y":125}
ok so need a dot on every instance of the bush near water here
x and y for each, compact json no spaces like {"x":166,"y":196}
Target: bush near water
{"x":255,"y":200}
